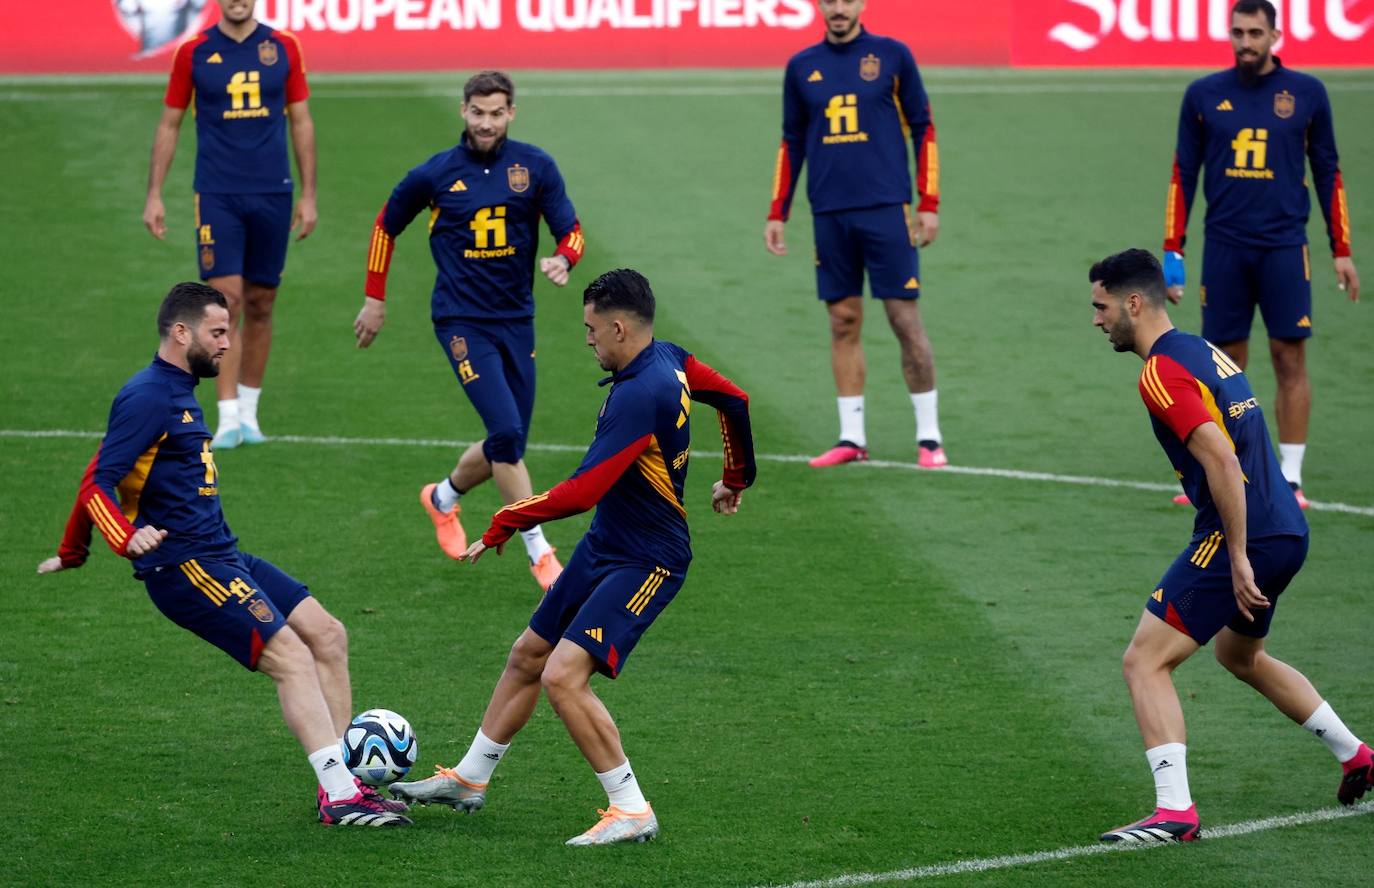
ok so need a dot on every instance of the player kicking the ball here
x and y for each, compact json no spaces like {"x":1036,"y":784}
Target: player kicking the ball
{"x":627,"y":568}
{"x":1249,"y":541}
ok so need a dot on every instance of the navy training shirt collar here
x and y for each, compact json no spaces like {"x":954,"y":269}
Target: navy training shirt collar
{"x":1261,"y":80}
{"x":1167,"y":334}
{"x":843,"y":48}
{"x":632,"y":368}
{"x":175,"y":373}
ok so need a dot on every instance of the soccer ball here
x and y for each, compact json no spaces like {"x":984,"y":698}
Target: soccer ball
{"x":379,"y":747}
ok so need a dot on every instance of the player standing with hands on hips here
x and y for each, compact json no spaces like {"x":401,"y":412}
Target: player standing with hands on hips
{"x":485,"y":197}
{"x":248,"y":85}
{"x":850,"y":104}
{"x":1254,"y":127}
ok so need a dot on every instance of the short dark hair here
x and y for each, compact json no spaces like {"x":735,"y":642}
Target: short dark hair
{"x":1250,"y":7}
{"x":185,"y":304}
{"x":623,"y":289}
{"x":1130,"y":271}
{"x":489,"y":83}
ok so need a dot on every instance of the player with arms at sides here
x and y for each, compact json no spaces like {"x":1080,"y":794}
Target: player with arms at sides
{"x":248,"y":85}
{"x":1249,"y":541}
{"x":850,"y":104}
{"x":626,"y":569}
{"x":1254,"y":127}
{"x":153,"y":491}
{"x":485,"y":196}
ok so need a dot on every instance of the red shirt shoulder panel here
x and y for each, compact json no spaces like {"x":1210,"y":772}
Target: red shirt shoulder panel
{"x":1172,"y":395}
{"x":180,"y":87}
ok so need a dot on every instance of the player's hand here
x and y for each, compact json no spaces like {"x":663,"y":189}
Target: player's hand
{"x":369,"y":321}
{"x":51,"y":565}
{"x":155,"y":217}
{"x":927,"y":228}
{"x":144,"y":540}
{"x":304,"y":218}
{"x":724,"y":500}
{"x":476,"y":549}
{"x":1248,"y":595}
{"x":556,"y":269}
{"x":1346,"y":278}
{"x":772,"y":237}
{"x":1174,"y":277}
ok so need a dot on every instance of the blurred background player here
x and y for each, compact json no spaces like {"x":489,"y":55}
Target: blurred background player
{"x":626,"y":569}
{"x":248,"y":85}
{"x":1251,"y":126}
{"x":1249,"y":541}
{"x":849,"y":104}
{"x":485,"y":196}
{"x":153,"y":490}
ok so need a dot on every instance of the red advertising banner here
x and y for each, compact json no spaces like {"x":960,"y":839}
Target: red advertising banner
{"x":100,"y":36}
{"x":1195,"y":33}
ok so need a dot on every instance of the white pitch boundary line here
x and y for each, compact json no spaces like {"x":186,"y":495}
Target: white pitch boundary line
{"x":1012,"y":474}
{"x":984,"y":864}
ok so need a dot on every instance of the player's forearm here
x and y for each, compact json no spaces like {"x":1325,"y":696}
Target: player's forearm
{"x":164,"y":149}
{"x":786,"y":174}
{"x":303,"y":144}
{"x":1226,"y":482}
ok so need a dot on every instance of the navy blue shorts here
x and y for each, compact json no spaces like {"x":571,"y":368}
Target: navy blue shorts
{"x":877,"y":239}
{"x":604,"y":606}
{"x":236,"y":603}
{"x":494,"y":362}
{"x":1236,"y":279}
{"x":243,"y":234}
{"x":1196,"y":596}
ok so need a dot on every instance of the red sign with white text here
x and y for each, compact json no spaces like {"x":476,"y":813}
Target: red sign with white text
{"x":99,"y":36}
{"x":1194,"y":33}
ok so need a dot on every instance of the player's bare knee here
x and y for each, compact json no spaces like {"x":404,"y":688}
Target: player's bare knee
{"x":845,"y":324}
{"x":561,"y":681}
{"x":258,"y":304}
{"x":329,"y":640}
{"x":1290,"y":359}
{"x":527,"y":658}
{"x":285,"y":656}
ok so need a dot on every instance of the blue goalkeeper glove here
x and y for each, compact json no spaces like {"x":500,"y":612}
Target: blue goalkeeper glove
{"x":1173,"y":269}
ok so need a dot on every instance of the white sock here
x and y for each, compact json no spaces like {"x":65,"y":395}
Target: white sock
{"x":1333,"y":732}
{"x":622,"y":789}
{"x":535,"y":544}
{"x":1170,"y":766}
{"x":927,"y":416}
{"x":229,"y":414}
{"x":481,"y":760}
{"x":248,"y":405}
{"x":852,"y":420}
{"x":446,"y":496}
{"x":333,"y":776}
{"x":1290,"y":462}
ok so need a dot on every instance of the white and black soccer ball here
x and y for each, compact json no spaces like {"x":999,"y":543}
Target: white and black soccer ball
{"x":379,"y":747}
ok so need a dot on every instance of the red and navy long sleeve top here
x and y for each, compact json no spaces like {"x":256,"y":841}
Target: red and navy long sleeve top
{"x":1255,"y":141}
{"x":848,"y":110}
{"x":484,"y":213}
{"x":636,"y":467}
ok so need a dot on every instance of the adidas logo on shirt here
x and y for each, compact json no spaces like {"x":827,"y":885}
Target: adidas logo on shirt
{"x":459,"y":186}
{"x":1225,"y":105}
{"x":815,"y":77}
{"x":912,"y":284}
{"x":1305,"y":321}
{"x":186,"y":417}
{"x":214,"y":59}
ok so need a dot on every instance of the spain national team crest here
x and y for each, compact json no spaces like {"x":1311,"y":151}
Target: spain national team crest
{"x":458,"y":347}
{"x":207,"y":258}
{"x":1284,"y":104}
{"x":518,"y":178}
{"x":267,"y":52}
{"x":260,"y":611}
{"x":870,"y":66}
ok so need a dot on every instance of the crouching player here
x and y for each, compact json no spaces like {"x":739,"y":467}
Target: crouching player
{"x":627,"y":568}
{"x":153,"y":491}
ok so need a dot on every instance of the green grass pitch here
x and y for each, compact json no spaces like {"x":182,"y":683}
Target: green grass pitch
{"x":869,"y":669}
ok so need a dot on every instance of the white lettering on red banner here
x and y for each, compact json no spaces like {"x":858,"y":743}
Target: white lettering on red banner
{"x":1182,"y":21}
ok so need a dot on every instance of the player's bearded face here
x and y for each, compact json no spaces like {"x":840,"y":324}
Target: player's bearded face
{"x":209,"y":342}
{"x":841,"y":16}
{"x":486,"y":120}
{"x":236,"y":12}
{"x":1111,"y":315}
{"x":1252,"y":40}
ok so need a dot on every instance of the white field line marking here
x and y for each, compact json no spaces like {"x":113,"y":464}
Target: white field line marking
{"x":1013,"y":474}
{"x":327,"y":93}
{"x":983,"y":864}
